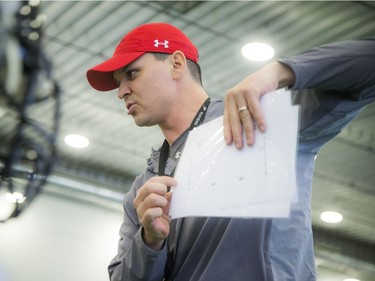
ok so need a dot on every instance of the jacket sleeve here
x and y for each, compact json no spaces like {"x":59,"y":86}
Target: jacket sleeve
{"x":347,"y":66}
{"x":134,"y":260}
{"x":333,"y":84}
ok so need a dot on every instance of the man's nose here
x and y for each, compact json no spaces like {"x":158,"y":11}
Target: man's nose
{"x":123,"y":90}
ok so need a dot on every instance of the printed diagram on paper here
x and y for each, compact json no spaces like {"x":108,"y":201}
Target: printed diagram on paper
{"x":215,"y":179}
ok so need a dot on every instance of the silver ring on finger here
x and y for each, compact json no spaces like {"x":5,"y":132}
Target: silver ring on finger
{"x":242,"y":108}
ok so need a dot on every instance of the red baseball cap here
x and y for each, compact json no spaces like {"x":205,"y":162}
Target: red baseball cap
{"x":151,"y":37}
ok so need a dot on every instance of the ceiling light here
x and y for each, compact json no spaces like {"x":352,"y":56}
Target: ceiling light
{"x":15,"y":197}
{"x":351,"y":279}
{"x":257,"y":51}
{"x":25,"y":10}
{"x":331,"y":217}
{"x":33,"y":36}
{"x":76,"y":141}
{"x":6,"y":208}
{"x":34,"y":3}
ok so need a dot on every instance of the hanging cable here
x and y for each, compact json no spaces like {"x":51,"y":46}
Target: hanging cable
{"x":30,"y":154}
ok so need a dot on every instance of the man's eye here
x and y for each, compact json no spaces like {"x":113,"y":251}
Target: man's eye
{"x":131,"y":73}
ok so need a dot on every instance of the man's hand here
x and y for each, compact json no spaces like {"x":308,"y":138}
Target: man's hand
{"x":242,"y":107}
{"x":152,"y":205}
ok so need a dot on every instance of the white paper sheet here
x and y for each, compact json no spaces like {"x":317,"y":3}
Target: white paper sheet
{"x":215,"y":179}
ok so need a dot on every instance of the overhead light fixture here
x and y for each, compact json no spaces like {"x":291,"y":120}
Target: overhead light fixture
{"x":34,"y":3}
{"x":7,"y":205}
{"x":257,"y":51}
{"x":331,"y":217}
{"x":15,"y":197}
{"x":77,"y":141}
{"x":25,"y":10}
{"x":29,"y":156}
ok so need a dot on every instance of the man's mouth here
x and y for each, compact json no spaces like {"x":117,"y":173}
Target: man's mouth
{"x":131,"y":107}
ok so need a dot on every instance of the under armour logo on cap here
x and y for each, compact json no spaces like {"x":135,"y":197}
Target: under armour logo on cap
{"x":165,"y":43}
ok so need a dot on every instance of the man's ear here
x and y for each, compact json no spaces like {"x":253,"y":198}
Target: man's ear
{"x":179,"y":64}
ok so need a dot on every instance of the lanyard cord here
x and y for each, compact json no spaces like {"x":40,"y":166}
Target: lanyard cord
{"x":164,"y":152}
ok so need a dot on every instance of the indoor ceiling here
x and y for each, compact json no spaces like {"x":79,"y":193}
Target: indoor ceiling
{"x":81,"y":34}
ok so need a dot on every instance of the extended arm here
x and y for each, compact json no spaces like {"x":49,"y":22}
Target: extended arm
{"x":346,"y":66}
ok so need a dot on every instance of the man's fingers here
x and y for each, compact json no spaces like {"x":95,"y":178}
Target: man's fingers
{"x":231,"y":121}
{"x":157,"y":185}
{"x":151,"y":214}
{"x":247,"y":123}
{"x":155,"y":200}
{"x":256,"y":113}
{"x":232,"y":118}
{"x":153,"y":194}
{"x":242,"y":114}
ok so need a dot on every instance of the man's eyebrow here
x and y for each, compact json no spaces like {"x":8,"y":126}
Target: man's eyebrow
{"x":124,"y":69}
{"x":127,"y":67}
{"x":121,"y":70}
{"x":116,"y":74}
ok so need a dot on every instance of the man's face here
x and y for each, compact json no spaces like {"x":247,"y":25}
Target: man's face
{"x":147,"y":87}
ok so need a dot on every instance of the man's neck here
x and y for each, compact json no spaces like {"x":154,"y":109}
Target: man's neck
{"x":183,"y":116}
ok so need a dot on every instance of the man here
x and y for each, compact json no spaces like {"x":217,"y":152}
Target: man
{"x":155,"y":67}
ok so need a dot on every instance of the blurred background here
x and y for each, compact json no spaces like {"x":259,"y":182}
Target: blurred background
{"x":60,"y":198}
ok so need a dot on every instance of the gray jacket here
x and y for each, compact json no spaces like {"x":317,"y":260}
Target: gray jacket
{"x":215,"y":249}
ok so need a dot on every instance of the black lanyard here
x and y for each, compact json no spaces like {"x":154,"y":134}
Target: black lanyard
{"x":164,"y":152}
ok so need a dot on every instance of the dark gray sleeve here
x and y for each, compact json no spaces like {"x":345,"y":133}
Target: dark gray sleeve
{"x":347,"y":66}
{"x":134,"y":260}
{"x":333,"y":84}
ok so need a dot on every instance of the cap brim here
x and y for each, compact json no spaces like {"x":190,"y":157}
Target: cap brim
{"x":101,"y":78}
